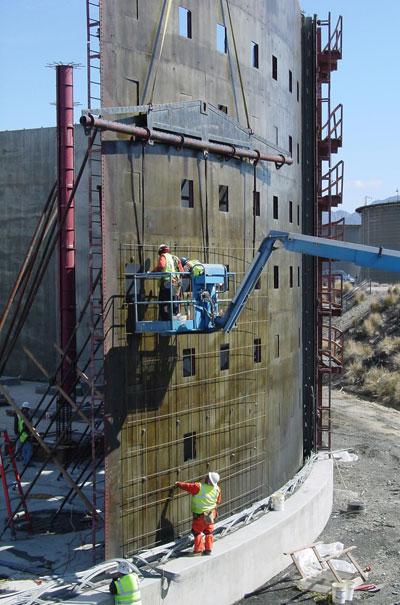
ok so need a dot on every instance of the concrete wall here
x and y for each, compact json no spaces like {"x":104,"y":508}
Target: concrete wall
{"x":28,"y":166}
{"x":247,"y":419}
{"x":380,"y":227}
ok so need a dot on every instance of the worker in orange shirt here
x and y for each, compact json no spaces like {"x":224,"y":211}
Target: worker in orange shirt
{"x":206,"y":496}
{"x":170,"y":285}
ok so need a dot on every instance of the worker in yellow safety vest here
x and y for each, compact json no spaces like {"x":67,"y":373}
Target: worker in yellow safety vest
{"x":192,"y":266}
{"x":24,"y":439}
{"x":206,"y":496}
{"x":125,"y":586}
{"x":170,"y":284}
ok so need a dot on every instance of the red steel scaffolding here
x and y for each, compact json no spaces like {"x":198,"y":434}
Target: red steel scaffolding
{"x":330,"y":193}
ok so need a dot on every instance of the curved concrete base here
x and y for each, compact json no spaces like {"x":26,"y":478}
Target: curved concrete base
{"x":249,"y":557}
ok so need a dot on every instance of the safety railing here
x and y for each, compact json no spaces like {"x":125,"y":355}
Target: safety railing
{"x":333,"y":127}
{"x":331,"y":187}
{"x":331,"y":351}
{"x":331,"y":294}
{"x":185,"y":303}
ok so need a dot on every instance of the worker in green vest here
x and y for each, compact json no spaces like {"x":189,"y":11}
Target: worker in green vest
{"x":21,"y":431}
{"x":193,"y":266}
{"x":125,"y":586}
{"x":206,"y":495}
{"x":170,"y":285}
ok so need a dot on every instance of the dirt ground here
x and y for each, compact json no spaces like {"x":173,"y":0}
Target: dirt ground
{"x":373,"y":433}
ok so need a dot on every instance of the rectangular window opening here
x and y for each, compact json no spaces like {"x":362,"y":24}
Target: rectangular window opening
{"x":276,"y":276}
{"x":298,"y":214}
{"x":224,"y":357}
{"x":185,"y":22}
{"x":254,"y":55}
{"x":256,"y":203}
{"x":290,"y":146}
{"x":257,"y":350}
{"x":275,"y":207}
{"x":187,"y":200}
{"x":189,"y":446}
{"x":298,"y":91}
{"x":223,"y":108}
{"x":277,"y":351}
{"x":222,"y":42}
{"x":274,"y":67}
{"x":290,"y":277}
{"x":290,"y":212}
{"x":298,"y":153}
{"x":189,"y":362}
{"x":290,"y":81}
{"x":298,"y":276}
{"x":224,"y":198}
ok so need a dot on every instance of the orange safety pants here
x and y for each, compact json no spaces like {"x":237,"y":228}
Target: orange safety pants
{"x":200,"y":527}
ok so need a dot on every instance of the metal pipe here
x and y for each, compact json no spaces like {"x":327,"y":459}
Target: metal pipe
{"x":89,"y":121}
{"x":65,"y":148}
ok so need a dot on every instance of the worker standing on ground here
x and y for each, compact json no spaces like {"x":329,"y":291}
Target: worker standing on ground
{"x":206,"y":496}
{"x":22,"y":432}
{"x":125,"y":586}
{"x":170,"y":284}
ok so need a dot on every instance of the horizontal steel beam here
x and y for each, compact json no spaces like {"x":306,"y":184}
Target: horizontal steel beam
{"x":177,"y":140}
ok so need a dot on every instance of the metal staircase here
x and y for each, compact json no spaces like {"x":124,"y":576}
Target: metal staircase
{"x":329,"y":128}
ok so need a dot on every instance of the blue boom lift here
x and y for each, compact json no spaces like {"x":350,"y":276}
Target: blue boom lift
{"x":202,"y":303}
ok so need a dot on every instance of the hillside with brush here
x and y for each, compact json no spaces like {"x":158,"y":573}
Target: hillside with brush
{"x":372,"y":351}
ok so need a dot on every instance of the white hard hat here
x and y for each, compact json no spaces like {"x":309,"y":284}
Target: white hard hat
{"x":214,"y":478}
{"x":124,"y":567}
{"x":26,"y":405}
{"x":163,"y":248}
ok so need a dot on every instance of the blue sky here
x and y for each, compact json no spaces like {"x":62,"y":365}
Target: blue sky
{"x":34,"y":33}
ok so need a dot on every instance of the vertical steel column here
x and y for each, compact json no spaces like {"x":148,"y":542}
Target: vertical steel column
{"x":66,"y":217}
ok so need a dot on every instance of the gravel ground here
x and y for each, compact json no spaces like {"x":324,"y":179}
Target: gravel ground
{"x":372,"y":432}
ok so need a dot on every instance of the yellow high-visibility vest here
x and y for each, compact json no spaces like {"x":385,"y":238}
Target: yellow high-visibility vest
{"x":196,"y":267}
{"x":128,"y":592}
{"x":205,"y":500}
{"x":171,"y":266}
{"x":22,"y":434}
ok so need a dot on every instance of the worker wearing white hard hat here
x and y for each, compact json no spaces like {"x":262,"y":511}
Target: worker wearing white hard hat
{"x":170,"y":284}
{"x":206,"y":496}
{"x":125,"y":586}
{"x":22,"y":432}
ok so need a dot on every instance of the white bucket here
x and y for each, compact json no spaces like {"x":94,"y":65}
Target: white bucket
{"x":278,"y":501}
{"x":339,"y":593}
{"x":349,"y":584}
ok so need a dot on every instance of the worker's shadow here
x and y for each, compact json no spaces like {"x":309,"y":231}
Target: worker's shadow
{"x":165,"y":530}
{"x":138,"y":372}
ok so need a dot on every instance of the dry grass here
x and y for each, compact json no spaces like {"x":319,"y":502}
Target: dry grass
{"x":390,"y":300}
{"x":355,"y":372}
{"x":376,"y":306}
{"x":354,"y":350}
{"x":370,"y":325}
{"x":389,"y":345}
{"x":359,"y":297}
{"x":347,"y":287}
{"x":396,"y":360}
{"x":383,"y":385}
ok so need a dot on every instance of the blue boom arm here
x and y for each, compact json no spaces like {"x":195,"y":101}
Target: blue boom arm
{"x":365,"y":256}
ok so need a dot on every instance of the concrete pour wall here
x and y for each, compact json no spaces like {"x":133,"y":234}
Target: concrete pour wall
{"x":28,"y":169}
{"x":247,"y":419}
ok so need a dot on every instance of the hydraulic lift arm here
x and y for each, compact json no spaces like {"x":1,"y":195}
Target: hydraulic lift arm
{"x":365,"y":256}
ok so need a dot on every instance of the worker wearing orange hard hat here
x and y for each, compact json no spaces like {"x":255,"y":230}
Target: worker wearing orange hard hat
{"x":206,"y":496}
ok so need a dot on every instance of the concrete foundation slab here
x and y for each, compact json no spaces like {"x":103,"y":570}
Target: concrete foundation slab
{"x":249,"y":557}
